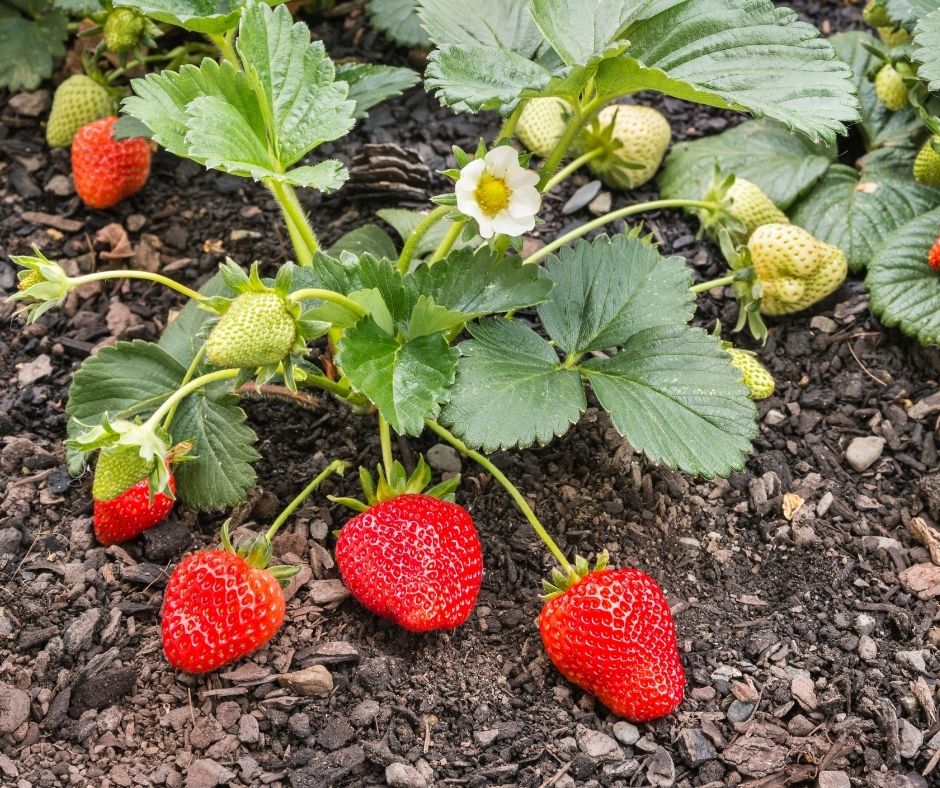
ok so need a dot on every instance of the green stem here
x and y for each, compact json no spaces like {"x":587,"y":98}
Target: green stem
{"x":417,"y":235}
{"x":578,"y":118}
{"x":571,"y":167}
{"x":302,"y":237}
{"x":702,"y":287}
{"x":513,"y":491}
{"x":184,"y":391}
{"x":224,"y":43}
{"x":324,"y":383}
{"x":98,"y":276}
{"x":509,"y":125}
{"x":337,"y":466}
{"x":328,"y":295}
{"x":194,"y":364}
{"x":447,"y":241}
{"x":156,"y":58}
{"x":620,"y":213}
{"x":385,"y":437}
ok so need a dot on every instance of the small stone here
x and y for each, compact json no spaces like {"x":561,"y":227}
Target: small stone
{"x":913,"y":659}
{"x":825,"y":324}
{"x":600,"y":204}
{"x":486,"y":737}
{"x":315,"y":680}
{"x":135,"y":222}
{"x":10,"y":541}
{"x":29,"y":372}
{"x":14,"y":707}
{"x":694,"y":747}
{"x":774,"y":417}
{"x":336,"y":733}
{"x":228,"y":714}
{"x":582,"y":197}
{"x":739,"y":712}
{"x":364,"y":713}
{"x":404,"y":775}
{"x":30,"y":104}
{"x":207,"y":773}
{"x":80,"y":632}
{"x":596,"y":744}
{"x":626,"y":733}
{"x":800,"y":725}
{"x":444,"y":458}
{"x":60,"y":186}
{"x":865,"y":624}
{"x":205,"y":732}
{"x":912,"y":739}
{"x":249,"y":731}
{"x":862,"y":453}
{"x":867,"y":648}
{"x":832,"y":779}
{"x":803,"y":691}
{"x":325,"y":592}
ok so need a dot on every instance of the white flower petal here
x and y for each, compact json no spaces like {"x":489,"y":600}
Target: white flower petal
{"x":473,"y":170}
{"x":525,"y":202}
{"x":521,"y":177}
{"x":502,"y":161}
{"x":469,"y":207}
{"x":487,"y":226}
{"x":506,"y":224}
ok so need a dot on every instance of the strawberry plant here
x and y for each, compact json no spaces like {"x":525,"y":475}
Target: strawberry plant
{"x":427,"y":337}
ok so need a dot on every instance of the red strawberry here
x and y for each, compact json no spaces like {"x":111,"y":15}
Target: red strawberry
{"x":107,"y":170}
{"x":933,"y":259}
{"x":611,"y":633}
{"x":218,"y":608}
{"x":131,"y":513}
{"x":415,"y":560}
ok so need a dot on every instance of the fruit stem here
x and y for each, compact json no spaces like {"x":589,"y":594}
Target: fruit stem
{"x":224,"y":43}
{"x":447,"y":241}
{"x":420,"y":230}
{"x":302,"y":237}
{"x":337,"y":466}
{"x":184,"y":391}
{"x":194,"y":364}
{"x":721,"y":281}
{"x":509,"y":125}
{"x":328,"y":295}
{"x":98,"y":276}
{"x":513,"y":491}
{"x":579,"y":117}
{"x":620,"y":213}
{"x":570,"y":168}
{"x":385,"y":438}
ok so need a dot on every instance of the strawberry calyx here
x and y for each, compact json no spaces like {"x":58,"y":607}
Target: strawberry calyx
{"x":245,"y":287}
{"x":386,"y":485}
{"x":561,"y":582}
{"x":257,"y":552}
{"x":601,"y":135}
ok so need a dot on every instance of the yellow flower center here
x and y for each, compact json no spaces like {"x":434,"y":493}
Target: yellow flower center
{"x":492,"y":194}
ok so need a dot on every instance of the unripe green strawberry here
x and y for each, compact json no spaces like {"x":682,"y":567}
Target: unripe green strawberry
{"x":794,"y":269}
{"x":257,"y":330}
{"x":876,"y":14}
{"x":889,"y":88}
{"x":752,"y":207}
{"x":759,"y":382}
{"x":118,"y":470}
{"x":643,"y":134}
{"x":927,"y":164}
{"x":893,"y":37}
{"x":77,"y":102}
{"x":123,"y":29}
{"x":541,"y":124}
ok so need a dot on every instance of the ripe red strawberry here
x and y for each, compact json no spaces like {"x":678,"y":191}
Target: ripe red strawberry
{"x":415,"y":560}
{"x":933,"y":259}
{"x":131,"y":513}
{"x":611,"y":633}
{"x":218,"y":607}
{"x":107,"y":170}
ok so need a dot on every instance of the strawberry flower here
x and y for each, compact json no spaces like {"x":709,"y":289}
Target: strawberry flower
{"x":499,"y":193}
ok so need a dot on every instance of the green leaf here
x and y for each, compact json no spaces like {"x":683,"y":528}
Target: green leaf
{"x":200,"y":16}
{"x":784,"y":165}
{"x":481,"y":283}
{"x":474,"y":25}
{"x":371,"y":84}
{"x":398,"y":19}
{"x":468,"y":78}
{"x":580,"y":30}
{"x":905,"y":291}
{"x":135,"y":378}
{"x":183,"y":337}
{"x":858,"y":211}
{"x":673,"y":393}
{"x":879,"y":125}
{"x":737,"y":54}
{"x":78,"y":7}
{"x":430,"y":318}
{"x":369,"y":238}
{"x":27,"y":47}
{"x":302,"y":102}
{"x":927,"y":49}
{"x":406,"y":381}
{"x":511,"y":389}
{"x":609,"y":289}
{"x":128,"y":128}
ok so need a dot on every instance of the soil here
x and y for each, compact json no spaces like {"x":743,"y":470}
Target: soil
{"x":809,"y":638}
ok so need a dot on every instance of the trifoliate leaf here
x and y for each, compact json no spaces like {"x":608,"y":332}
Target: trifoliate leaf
{"x":371,"y":84}
{"x":398,"y":19}
{"x":200,"y":16}
{"x":28,"y":45}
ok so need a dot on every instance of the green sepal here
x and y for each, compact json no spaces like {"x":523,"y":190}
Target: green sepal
{"x":463,"y":158}
{"x":561,"y":582}
{"x":389,"y":484}
{"x":257,"y":554}
{"x":44,"y":284}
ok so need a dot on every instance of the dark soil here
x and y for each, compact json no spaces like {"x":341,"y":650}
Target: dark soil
{"x":810,"y":655}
